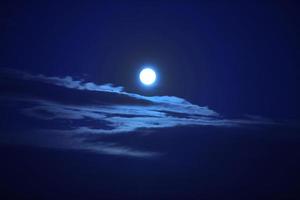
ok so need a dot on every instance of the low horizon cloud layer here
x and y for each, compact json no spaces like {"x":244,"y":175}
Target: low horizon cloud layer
{"x":95,"y":110}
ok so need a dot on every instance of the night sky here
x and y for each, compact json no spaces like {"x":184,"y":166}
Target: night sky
{"x":221,"y":122}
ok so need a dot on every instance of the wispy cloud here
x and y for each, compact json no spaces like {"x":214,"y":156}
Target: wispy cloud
{"x":107,"y":117}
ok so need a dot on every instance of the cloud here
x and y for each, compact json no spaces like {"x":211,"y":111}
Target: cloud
{"x":97,"y":110}
{"x":124,"y":118}
{"x":115,"y":149}
{"x":170,"y":103}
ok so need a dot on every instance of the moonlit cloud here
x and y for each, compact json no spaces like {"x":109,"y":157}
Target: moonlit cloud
{"x":101,"y":115}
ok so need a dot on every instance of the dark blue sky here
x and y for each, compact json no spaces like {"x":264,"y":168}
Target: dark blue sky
{"x":222,"y":122}
{"x":234,"y":57}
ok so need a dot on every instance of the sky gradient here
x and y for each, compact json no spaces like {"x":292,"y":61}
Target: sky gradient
{"x":221,"y":122}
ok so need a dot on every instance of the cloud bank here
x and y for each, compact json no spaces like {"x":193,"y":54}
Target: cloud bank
{"x":95,"y":110}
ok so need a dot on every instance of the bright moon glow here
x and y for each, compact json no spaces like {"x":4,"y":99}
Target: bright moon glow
{"x":147,"y":76}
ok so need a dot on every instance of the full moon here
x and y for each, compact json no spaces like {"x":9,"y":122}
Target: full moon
{"x":147,"y":76}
